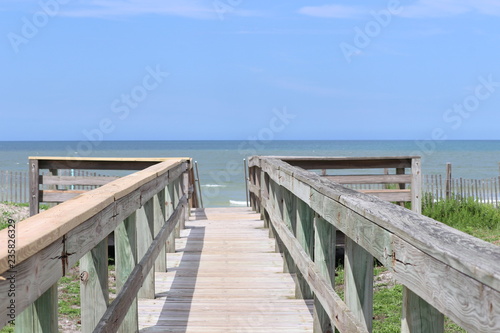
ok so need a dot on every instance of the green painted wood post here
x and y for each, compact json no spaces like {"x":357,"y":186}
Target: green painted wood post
{"x":126,"y":259}
{"x":185,"y":191}
{"x":178,"y":196}
{"x":324,"y":260}
{"x":289,"y":216}
{"x":358,"y":275}
{"x":145,"y":235}
{"x":418,"y":315}
{"x":251,"y":178}
{"x":41,"y":316}
{"x":170,"y":198}
{"x":304,"y":233}
{"x":94,"y":293}
{"x":159,"y":221}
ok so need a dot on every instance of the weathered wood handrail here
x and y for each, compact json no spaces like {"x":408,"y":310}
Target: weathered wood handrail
{"x":399,"y":163}
{"x":48,"y":244}
{"x":450,"y":271}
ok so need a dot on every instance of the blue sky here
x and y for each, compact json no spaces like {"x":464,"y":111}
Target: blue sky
{"x":234,"y":69}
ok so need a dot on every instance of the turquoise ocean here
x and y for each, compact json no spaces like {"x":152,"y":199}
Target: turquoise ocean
{"x":221,"y":162}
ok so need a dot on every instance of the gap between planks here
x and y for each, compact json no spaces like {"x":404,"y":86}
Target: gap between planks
{"x":225,"y":277}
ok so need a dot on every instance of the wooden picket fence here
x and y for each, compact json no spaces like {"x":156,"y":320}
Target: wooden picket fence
{"x":481,"y":190}
{"x":14,"y":185}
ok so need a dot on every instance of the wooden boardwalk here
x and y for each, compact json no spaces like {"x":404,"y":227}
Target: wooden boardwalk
{"x":225,"y":277}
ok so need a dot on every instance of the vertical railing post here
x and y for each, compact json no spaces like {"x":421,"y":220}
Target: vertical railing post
{"x":401,"y":186}
{"x":185,"y":191}
{"x":41,"y":316}
{"x":171,"y":204}
{"x":304,"y":233}
{"x":159,"y":221}
{"x":418,"y":315}
{"x":94,"y":293}
{"x":358,"y":275}
{"x":416,"y":185}
{"x":34,"y":183}
{"x":251,"y":178}
{"x":145,"y":236}
{"x":177,"y":197}
{"x":284,"y":199}
{"x":126,"y":259}
{"x":324,"y":260}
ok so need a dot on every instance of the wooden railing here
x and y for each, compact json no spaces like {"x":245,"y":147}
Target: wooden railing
{"x":41,"y":249}
{"x":443,"y":271}
{"x":408,"y":183}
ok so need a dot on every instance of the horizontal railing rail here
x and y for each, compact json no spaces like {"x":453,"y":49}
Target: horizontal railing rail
{"x":45,"y":247}
{"x":443,"y":271}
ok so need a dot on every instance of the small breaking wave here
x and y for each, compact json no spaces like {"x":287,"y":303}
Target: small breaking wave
{"x":213,"y":185}
{"x":237,"y":203}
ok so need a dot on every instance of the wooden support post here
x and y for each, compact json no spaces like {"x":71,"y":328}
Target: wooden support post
{"x":41,"y":316}
{"x":448,"y":180}
{"x":185,"y":187}
{"x":178,"y":195}
{"x":287,"y":202}
{"x":401,"y":186}
{"x":159,"y":221}
{"x":251,"y":182}
{"x":419,"y":316}
{"x":169,"y":198}
{"x":94,"y":293}
{"x":258,"y":183}
{"x":171,"y":204}
{"x":324,"y":260}
{"x":305,"y":235}
{"x":126,"y":259}
{"x":145,"y":235}
{"x":416,"y":185}
{"x":358,"y":275}
{"x":34,"y":187}
{"x":268,"y":224}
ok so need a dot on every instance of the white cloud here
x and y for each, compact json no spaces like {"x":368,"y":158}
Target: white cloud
{"x":334,"y":11}
{"x":125,"y":8}
{"x":418,"y":9}
{"x":436,"y":8}
{"x":444,"y":8}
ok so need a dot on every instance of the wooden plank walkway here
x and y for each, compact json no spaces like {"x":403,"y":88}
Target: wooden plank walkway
{"x":225,"y":277}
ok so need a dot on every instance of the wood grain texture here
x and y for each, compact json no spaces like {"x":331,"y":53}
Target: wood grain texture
{"x":358,"y":276}
{"x":369,"y":179}
{"x":159,"y":221}
{"x":94,"y":293}
{"x":337,"y":310}
{"x":49,"y":243}
{"x":435,"y":261}
{"x":225,"y":277}
{"x":37,"y":232}
{"x":145,"y":225}
{"x":41,"y":316}
{"x":117,"y":311}
{"x":390,"y":195}
{"x":324,"y":259}
{"x":76,"y":180}
{"x":126,"y":259}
